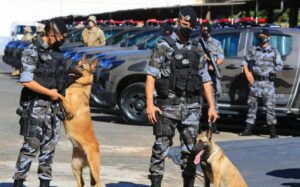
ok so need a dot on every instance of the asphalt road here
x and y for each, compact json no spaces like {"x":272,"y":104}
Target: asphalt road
{"x":125,"y":150}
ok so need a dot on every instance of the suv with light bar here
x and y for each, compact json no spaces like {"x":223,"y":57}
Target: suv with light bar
{"x":121,"y":79}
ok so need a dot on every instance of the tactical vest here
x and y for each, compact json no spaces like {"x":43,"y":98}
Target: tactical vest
{"x":49,"y":72}
{"x":184,"y":79}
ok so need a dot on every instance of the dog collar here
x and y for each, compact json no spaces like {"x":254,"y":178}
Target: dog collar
{"x":215,"y":152}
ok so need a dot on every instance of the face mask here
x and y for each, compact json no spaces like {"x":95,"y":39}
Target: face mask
{"x":205,"y":34}
{"x":263,"y":40}
{"x":185,"y":31}
{"x":57,"y":44}
{"x":90,"y":24}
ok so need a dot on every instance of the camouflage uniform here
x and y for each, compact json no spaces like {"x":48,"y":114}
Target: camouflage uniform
{"x":48,"y":117}
{"x":185,"y":117}
{"x":217,"y":51}
{"x":265,"y":61}
{"x":93,"y":37}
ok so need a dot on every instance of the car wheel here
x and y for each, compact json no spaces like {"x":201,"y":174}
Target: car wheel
{"x":132,"y":104}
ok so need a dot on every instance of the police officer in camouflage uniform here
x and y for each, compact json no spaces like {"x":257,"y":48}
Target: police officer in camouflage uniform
{"x":215,"y":48}
{"x":40,"y":110}
{"x":260,"y":65}
{"x":178,"y":72}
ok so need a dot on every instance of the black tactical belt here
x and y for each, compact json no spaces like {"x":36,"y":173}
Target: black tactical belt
{"x":177,"y":101}
{"x":261,"y":78}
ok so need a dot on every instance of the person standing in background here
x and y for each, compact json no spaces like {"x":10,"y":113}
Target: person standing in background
{"x":92,"y":35}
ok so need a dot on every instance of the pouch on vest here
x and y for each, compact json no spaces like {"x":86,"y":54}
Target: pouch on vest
{"x":162,"y":87}
{"x":163,"y":126}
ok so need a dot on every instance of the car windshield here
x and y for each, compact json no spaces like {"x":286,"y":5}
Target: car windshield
{"x":283,"y":43}
{"x":122,"y":36}
{"x":229,"y":42}
{"x":110,"y":32}
{"x":20,"y":29}
{"x":132,"y":41}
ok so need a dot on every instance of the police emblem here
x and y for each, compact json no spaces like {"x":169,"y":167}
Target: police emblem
{"x":178,"y":56}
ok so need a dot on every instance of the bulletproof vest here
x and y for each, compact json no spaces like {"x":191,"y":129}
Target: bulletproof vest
{"x":270,"y":59}
{"x":184,"y":79}
{"x":49,"y":72}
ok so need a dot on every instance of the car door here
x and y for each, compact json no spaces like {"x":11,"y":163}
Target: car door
{"x":233,"y":42}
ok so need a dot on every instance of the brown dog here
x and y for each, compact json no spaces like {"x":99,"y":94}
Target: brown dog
{"x":216,"y":166}
{"x":78,"y":125}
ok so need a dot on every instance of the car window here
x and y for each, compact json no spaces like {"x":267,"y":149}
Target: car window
{"x":229,"y":42}
{"x":141,"y":36}
{"x":152,"y":42}
{"x":20,"y":29}
{"x":283,"y":43}
{"x":109,"y":33}
{"x":122,"y":36}
{"x":75,"y":37}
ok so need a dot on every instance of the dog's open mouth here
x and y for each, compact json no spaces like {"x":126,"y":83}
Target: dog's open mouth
{"x":197,"y":159}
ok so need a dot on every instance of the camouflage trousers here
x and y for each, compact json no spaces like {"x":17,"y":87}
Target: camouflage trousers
{"x":44,"y":142}
{"x":188,"y":134}
{"x":268,"y":102}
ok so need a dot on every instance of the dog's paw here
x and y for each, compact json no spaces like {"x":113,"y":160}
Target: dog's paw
{"x":70,"y":115}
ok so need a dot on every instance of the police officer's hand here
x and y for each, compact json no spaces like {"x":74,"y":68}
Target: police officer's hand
{"x":250,"y":78}
{"x":55,"y":95}
{"x":151,"y":110}
{"x":212,"y":115}
{"x":210,"y":68}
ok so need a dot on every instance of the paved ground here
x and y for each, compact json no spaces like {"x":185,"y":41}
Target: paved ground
{"x":125,"y":151}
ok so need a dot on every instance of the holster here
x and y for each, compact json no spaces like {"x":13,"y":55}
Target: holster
{"x":28,"y":125}
{"x":163,"y":127}
{"x":162,"y":87}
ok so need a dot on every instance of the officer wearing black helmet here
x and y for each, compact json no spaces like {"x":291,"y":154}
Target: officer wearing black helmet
{"x":216,"y":50}
{"x":178,"y":72}
{"x":40,"y":112}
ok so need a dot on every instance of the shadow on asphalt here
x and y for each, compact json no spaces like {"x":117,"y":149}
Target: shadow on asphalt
{"x":7,"y":184}
{"x":292,"y":173}
{"x":124,"y":184}
{"x":291,"y":184}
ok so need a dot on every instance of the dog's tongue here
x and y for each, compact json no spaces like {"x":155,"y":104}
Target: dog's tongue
{"x":197,"y":159}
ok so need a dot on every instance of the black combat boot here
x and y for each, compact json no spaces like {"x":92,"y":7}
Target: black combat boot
{"x":247,"y":131}
{"x":155,"y":180}
{"x":188,"y":181}
{"x":44,"y":183}
{"x":273,"y":133}
{"x":18,"y":183}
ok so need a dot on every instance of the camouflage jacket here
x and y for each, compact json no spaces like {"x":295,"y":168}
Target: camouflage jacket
{"x":93,"y":37}
{"x":160,"y":65}
{"x":263,"y":61}
{"x":215,"y":48}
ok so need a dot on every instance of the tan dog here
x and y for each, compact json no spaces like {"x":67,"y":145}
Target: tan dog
{"x":217,"y":168}
{"x":78,"y":125}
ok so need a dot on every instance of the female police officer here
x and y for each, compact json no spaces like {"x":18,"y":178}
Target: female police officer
{"x":40,"y":121}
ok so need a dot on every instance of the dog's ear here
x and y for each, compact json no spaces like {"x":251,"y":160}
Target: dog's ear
{"x":83,"y":59}
{"x":93,"y":64}
{"x":209,"y":134}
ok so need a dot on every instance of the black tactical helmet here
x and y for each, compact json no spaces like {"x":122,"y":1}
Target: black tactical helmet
{"x":58,"y":26}
{"x":264,"y":32}
{"x":206,"y":26}
{"x":189,"y":15}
